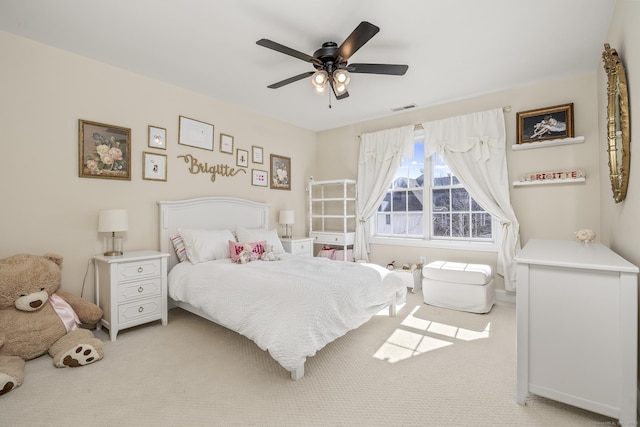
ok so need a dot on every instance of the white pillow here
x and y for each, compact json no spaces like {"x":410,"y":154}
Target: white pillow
{"x":206,"y":245}
{"x":246,"y":235}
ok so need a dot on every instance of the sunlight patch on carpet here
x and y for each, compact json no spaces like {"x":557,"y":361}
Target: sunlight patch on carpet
{"x":403,"y":344}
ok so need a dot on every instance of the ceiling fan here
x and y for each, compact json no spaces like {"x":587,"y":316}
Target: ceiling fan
{"x":331,"y":62}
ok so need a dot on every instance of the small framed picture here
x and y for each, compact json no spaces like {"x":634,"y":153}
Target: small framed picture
{"x":280,"y":172}
{"x":104,"y":151}
{"x":157,"y":137}
{"x":256,"y":154}
{"x":259,"y":178}
{"x":226,"y":143}
{"x":242,"y":158}
{"x":545,"y":123}
{"x":195,"y":133}
{"x":154,"y":166}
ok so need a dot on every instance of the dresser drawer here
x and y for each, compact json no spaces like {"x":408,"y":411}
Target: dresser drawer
{"x":139,"y":269}
{"x":141,"y":310}
{"x":329,"y":238}
{"x":141,"y":289}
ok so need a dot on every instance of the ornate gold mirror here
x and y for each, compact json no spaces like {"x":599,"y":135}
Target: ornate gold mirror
{"x":619,"y":138}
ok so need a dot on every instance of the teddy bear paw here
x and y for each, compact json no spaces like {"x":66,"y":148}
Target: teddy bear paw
{"x":80,"y":355}
{"x":7,"y":383}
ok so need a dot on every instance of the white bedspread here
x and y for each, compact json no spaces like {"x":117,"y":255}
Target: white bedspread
{"x":292,"y":307}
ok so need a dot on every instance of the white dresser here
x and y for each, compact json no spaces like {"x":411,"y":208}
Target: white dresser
{"x":131,"y":289}
{"x":577,"y":314}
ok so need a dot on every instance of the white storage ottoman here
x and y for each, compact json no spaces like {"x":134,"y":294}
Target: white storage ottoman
{"x":459,"y":286}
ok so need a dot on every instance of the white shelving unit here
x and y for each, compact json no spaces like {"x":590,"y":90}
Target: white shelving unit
{"x":332,"y":213}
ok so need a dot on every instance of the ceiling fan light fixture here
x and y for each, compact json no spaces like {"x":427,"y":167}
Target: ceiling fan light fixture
{"x":341,"y":77}
{"x":340,"y":88}
{"x":319,"y":79}
{"x":319,"y":89}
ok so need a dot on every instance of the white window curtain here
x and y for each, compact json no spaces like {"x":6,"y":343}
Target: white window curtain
{"x":380,"y":157}
{"x":473,"y":146}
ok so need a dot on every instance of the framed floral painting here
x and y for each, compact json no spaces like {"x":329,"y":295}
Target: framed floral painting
{"x":280,"y":172}
{"x":104,"y":151}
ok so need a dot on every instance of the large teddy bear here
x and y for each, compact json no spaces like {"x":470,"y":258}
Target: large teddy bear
{"x":36,"y":317}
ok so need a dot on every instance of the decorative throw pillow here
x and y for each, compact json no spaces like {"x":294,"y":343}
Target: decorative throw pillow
{"x":205,"y":245}
{"x":179,"y":248}
{"x":236,"y":249}
{"x":246,"y":235}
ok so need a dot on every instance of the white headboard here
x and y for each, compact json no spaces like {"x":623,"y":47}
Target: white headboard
{"x":209,"y":213}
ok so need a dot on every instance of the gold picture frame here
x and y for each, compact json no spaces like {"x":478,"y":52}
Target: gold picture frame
{"x":154,"y":166}
{"x":280,"y":172}
{"x":259,"y":178}
{"x":195,"y":133}
{"x":545,"y":123}
{"x":257,"y":154}
{"x":226,"y":143}
{"x":104,"y":151}
{"x":242,"y":158}
{"x":157,"y":137}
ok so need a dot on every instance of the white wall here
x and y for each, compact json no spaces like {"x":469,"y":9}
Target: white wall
{"x":46,"y":207}
{"x":620,"y":228}
{"x":549,"y":211}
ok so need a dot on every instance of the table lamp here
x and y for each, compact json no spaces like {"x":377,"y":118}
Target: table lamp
{"x":112,"y":221}
{"x":286,"y":219}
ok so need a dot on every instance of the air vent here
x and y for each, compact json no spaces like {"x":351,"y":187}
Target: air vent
{"x":406,"y":107}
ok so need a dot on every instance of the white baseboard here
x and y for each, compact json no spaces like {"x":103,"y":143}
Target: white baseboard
{"x":505,"y":296}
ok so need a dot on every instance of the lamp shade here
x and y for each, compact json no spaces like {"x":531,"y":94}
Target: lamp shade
{"x":112,"y":220}
{"x":286,"y":217}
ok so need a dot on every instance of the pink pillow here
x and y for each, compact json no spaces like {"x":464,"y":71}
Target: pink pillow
{"x":256,"y":247}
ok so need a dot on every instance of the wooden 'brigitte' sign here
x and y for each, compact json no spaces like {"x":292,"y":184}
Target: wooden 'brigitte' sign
{"x":196,"y":167}
{"x":552,"y":175}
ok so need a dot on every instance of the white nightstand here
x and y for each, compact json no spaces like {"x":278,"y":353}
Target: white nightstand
{"x":302,"y":246}
{"x":131,"y":289}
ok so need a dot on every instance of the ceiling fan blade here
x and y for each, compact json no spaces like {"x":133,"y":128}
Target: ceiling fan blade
{"x":391,"y":69}
{"x":290,"y":80}
{"x":269,"y":44}
{"x":362,"y":34}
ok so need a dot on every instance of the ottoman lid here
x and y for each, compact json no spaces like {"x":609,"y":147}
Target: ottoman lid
{"x":456,"y":272}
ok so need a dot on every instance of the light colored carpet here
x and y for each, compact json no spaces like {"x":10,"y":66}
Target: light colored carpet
{"x":426,"y":367}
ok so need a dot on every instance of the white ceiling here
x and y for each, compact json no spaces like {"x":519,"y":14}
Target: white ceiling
{"x":455,"y":49}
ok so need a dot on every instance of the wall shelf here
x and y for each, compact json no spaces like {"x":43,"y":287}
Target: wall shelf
{"x":548,"y":143}
{"x":549,"y":181}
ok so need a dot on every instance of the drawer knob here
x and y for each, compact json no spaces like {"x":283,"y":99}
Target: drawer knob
{"x":140,"y":309}
{"x":140,"y":289}
{"x":336,"y":239}
{"x":140,"y":269}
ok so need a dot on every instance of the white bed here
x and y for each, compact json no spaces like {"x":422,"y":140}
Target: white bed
{"x":292,"y":307}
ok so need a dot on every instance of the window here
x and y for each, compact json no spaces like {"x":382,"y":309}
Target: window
{"x":449,"y":217}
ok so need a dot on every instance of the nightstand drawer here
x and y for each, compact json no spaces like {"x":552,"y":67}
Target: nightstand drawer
{"x":128,"y":313}
{"x":140,"y":289}
{"x":302,"y":247}
{"x":139,"y":269}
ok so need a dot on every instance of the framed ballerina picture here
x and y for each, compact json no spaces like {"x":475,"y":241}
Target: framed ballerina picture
{"x":545,"y":123}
